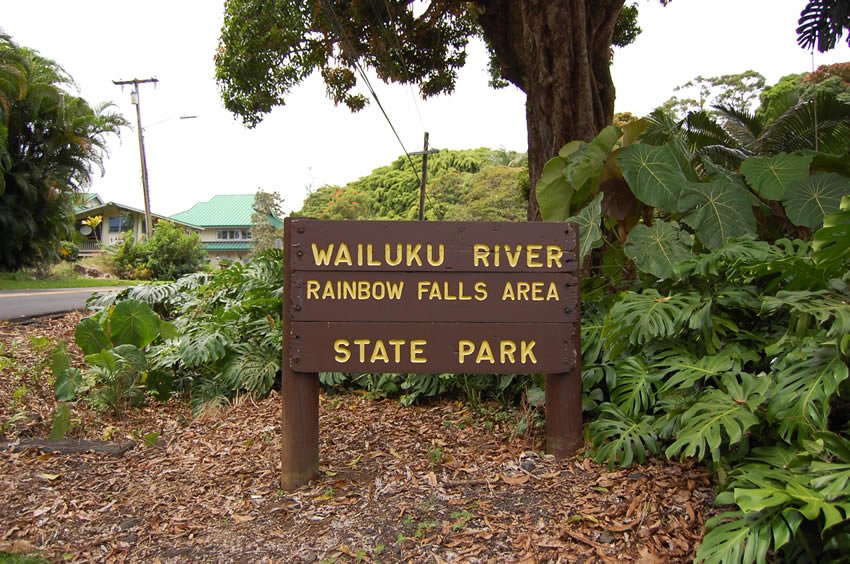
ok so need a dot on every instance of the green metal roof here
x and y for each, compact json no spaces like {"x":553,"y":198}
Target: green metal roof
{"x":228,"y":246}
{"x":232,"y":210}
{"x":86,"y":200}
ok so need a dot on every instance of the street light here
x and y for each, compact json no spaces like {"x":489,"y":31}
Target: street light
{"x":135,"y":100}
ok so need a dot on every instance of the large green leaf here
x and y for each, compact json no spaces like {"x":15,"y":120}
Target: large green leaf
{"x":131,"y":356}
{"x":806,"y":381}
{"x":657,"y":249}
{"x":735,"y":536}
{"x":642,"y":317}
{"x":554,"y":193}
{"x":68,"y":382}
{"x":588,"y":221}
{"x":807,"y":201}
{"x":620,"y":439}
{"x":60,"y":360}
{"x":653,"y":174}
{"x":634,"y":393}
{"x":720,"y":417}
{"x":832,"y":242}
{"x":61,"y":422}
{"x":90,"y":336}
{"x":573,"y":176}
{"x":133,"y":322}
{"x":718,"y":210}
{"x":771,"y":175}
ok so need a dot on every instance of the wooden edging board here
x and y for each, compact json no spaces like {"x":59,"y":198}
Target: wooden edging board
{"x":427,"y":298}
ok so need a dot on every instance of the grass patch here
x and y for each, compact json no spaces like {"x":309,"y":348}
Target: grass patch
{"x":9,"y":558}
{"x":16,"y":283}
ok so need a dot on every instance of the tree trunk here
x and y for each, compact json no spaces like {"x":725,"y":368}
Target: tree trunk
{"x":558,"y":52}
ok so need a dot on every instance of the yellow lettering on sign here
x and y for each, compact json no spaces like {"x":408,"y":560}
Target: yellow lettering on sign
{"x":464,"y":349}
{"x":554,"y":253}
{"x":480,"y":291}
{"x":396,"y":344}
{"x":313,"y":289}
{"x":485,"y":352}
{"x":440,"y":257}
{"x":532,"y":257}
{"x":552,"y":294}
{"x":513,"y":259}
{"x":341,"y":348}
{"x":388,"y":255}
{"x":480,"y":255}
{"x":506,"y":351}
{"x":508,"y":292}
{"x":413,"y":254}
{"x":354,"y":290}
{"x":522,"y":290}
{"x":416,"y":351}
{"x":322,"y":257}
{"x":369,"y":260}
{"x":379,"y":352}
{"x":526,"y":352}
{"x":343,"y":255}
{"x":361,"y":343}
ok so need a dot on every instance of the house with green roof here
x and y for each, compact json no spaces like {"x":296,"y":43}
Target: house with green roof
{"x":115,"y":221}
{"x":226,"y":225}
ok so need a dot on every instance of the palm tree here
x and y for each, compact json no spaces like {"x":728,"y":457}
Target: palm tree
{"x":50,"y":144}
{"x":729,"y":135}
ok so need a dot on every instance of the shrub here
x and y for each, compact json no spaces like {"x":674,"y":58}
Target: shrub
{"x":169,"y":254}
{"x":68,"y":251}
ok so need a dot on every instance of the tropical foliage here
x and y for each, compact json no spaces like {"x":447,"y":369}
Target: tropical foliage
{"x":50,"y":144}
{"x":477,"y":184}
{"x":170,"y":253}
{"x":264,"y":233}
{"x":717,"y":325}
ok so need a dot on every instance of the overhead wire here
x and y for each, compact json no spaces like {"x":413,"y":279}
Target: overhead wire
{"x":333,"y":19}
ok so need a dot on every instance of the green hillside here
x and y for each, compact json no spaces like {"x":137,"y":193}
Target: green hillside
{"x":467,"y":185}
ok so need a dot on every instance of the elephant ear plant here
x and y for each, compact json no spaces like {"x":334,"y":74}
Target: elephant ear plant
{"x":114,"y":342}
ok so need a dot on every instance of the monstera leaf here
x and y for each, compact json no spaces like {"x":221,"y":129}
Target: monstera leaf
{"x":808,"y":200}
{"x":588,"y":220}
{"x":718,"y":210}
{"x":832,"y":243}
{"x":658,"y":248}
{"x":770,"y":176}
{"x":653,"y":174}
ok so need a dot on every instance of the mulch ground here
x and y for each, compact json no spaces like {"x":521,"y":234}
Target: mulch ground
{"x":434,"y":483}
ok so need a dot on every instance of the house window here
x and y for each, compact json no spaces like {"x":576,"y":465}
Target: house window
{"x":232,"y":234}
{"x":120,"y":224}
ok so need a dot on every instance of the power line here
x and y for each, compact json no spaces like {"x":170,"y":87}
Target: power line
{"x":335,"y":23}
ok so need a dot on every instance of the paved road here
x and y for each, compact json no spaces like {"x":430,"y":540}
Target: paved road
{"x":22,"y":304}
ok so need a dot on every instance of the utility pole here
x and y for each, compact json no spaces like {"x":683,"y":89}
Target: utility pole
{"x":134,"y":98}
{"x":424,"y":180}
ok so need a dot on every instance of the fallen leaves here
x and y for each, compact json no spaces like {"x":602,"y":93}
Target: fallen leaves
{"x":209,"y":490}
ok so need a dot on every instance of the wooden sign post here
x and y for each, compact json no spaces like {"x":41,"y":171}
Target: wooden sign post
{"x":428,"y":298}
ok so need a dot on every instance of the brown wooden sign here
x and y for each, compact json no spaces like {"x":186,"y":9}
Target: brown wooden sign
{"x":417,"y":297}
{"x":498,"y":298}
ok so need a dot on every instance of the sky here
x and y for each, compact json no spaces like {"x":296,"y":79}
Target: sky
{"x":310,"y":143}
